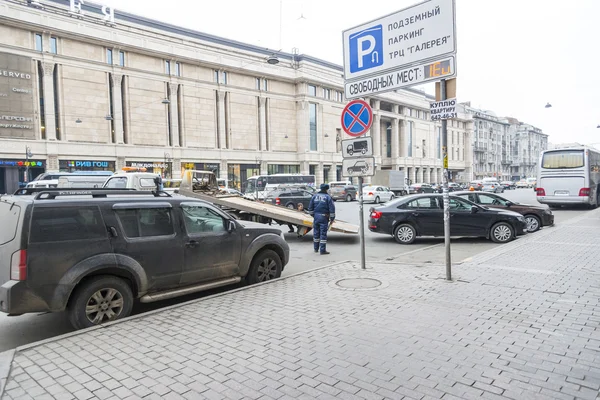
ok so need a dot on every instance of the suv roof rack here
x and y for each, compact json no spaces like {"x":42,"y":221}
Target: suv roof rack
{"x":31,"y":190}
{"x":95,"y":193}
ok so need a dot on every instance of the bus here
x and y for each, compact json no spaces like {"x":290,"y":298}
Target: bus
{"x":259,"y":186}
{"x":569,"y":176}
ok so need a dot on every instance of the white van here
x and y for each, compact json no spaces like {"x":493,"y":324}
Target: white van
{"x":81,"y":181}
{"x":134,"y":178}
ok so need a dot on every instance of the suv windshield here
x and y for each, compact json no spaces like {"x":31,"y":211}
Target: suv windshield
{"x":9,"y":219}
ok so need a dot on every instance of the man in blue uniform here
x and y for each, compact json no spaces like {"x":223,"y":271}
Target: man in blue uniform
{"x":322,"y":209}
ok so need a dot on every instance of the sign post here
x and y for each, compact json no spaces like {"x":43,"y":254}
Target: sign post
{"x":445,"y":195}
{"x":358,"y":159}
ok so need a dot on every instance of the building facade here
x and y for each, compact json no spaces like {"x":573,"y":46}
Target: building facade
{"x":85,"y":87}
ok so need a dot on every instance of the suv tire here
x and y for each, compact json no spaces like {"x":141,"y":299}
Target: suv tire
{"x":349,"y":198}
{"x":405,"y":234}
{"x":290,"y":206}
{"x":266,"y":265}
{"x":111,"y":296}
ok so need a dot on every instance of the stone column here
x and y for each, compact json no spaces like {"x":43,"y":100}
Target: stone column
{"x":376,"y":134}
{"x":395,"y":140}
{"x":49,"y":111}
{"x":221,"y":119}
{"x":440,"y":174}
{"x":117,"y":108}
{"x":262,"y":122}
{"x":412,"y":174}
{"x":223,"y":170}
{"x":174,"y":108}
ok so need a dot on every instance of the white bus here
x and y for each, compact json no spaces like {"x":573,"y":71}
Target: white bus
{"x":569,"y":176}
{"x":262,"y":184}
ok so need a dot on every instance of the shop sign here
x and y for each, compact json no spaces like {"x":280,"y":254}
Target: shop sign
{"x":22,"y":163}
{"x":88,"y":164}
{"x":146,"y":164}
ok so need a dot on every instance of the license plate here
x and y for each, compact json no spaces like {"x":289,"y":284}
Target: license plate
{"x":561,"y":193}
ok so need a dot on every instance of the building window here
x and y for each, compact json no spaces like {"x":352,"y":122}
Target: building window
{"x":167,"y":67}
{"x":109,"y":58}
{"x":38,"y":42}
{"x":312,"y":90}
{"x":327,"y":94}
{"x":53,"y":45}
{"x":257,"y":83}
{"x":388,"y":140}
{"x":312,"y":111}
{"x":410,"y":138}
{"x":220,"y":77}
{"x":339,"y":96}
{"x":122,"y":58}
{"x":265,"y":84}
{"x":178,"y":69}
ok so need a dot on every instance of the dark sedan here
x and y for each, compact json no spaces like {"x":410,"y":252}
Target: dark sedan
{"x":535,"y":216}
{"x":422,"y":215}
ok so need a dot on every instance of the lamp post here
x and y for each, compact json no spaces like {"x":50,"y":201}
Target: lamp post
{"x":258,"y":161}
{"x":166,"y":168}
{"x":28,"y":155}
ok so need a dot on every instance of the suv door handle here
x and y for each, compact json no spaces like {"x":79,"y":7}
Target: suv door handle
{"x":415,"y":214}
{"x":192,"y":243}
{"x":113,"y":231}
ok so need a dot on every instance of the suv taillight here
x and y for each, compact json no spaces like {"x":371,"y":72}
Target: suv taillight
{"x":540,"y":192}
{"x":278,"y":201}
{"x":370,"y":194}
{"x":18,"y":265}
{"x":584,"y":191}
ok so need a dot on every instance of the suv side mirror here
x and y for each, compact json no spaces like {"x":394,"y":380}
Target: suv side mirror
{"x":230,"y":226}
{"x":474,"y":209}
{"x":508,"y":204}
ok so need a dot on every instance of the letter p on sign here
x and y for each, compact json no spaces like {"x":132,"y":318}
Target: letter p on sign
{"x":366,"y":49}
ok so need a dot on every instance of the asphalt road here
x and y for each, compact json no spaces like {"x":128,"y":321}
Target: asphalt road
{"x":20,"y":330}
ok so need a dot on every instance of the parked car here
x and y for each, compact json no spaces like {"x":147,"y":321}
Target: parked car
{"x":493,"y":187}
{"x":422,"y":215}
{"x":377,"y":194}
{"x":535,"y":216}
{"x":509,"y":185}
{"x":92,"y":253}
{"x":521,"y":184}
{"x":289,"y":197}
{"x":476,"y":185}
{"x":420,"y":188}
{"x":345,"y":192}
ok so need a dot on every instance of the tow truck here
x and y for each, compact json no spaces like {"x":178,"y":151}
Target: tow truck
{"x":203,"y":185}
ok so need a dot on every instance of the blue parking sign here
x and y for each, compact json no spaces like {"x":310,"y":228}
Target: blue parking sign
{"x":366,"y":49}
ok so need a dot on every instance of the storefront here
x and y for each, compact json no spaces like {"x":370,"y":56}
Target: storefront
{"x":162,"y":168}
{"x":237,"y":174}
{"x":85,"y":165}
{"x":16,"y":173}
{"x":283,"y":169}
{"x":202,"y":166}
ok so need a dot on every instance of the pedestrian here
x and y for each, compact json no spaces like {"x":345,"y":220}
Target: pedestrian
{"x":322,"y":209}
{"x":300,"y":208}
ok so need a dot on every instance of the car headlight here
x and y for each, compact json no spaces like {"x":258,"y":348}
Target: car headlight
{"x":548,"y":211}
{"x":521,"y":218}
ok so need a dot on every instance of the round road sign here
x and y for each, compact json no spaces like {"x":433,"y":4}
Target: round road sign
{"x":357,"y":118}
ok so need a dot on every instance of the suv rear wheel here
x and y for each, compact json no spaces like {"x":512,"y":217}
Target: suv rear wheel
{"x":266,"y":265}
{"x":349,"y":198}
{"x":98,"y":300}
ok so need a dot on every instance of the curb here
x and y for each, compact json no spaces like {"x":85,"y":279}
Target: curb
{"x":7,"y":357}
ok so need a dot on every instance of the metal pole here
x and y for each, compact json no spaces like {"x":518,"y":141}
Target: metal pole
{"x":361,"y":225}
{"x":27,"y":152}
{"x":445,"y":195}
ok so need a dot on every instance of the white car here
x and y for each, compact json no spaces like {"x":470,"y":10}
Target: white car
{"x":377,"y":194}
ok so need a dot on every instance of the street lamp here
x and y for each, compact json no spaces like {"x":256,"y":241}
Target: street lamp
{"x":166,"y":101}
{"x":28,"y":155}
{"x":166,"y":168}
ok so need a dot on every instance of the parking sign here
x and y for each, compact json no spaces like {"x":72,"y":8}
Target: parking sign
{"x":366,"y":49}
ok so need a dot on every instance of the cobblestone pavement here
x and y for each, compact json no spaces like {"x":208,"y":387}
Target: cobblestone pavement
{"x":519,"y":322}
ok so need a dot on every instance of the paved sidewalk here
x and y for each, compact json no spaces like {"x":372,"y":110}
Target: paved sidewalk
{"x":520,"y":322}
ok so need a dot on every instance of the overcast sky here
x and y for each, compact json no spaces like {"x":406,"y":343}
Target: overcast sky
{"x":514,"y":56}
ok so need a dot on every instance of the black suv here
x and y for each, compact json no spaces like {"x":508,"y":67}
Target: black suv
{"x":289,"y":197}
{"x":93,"y":252}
